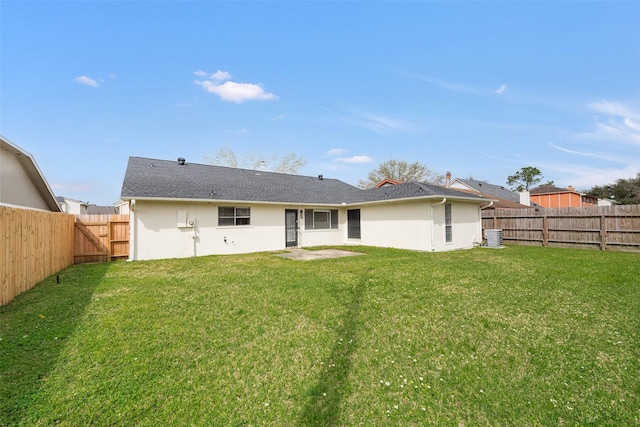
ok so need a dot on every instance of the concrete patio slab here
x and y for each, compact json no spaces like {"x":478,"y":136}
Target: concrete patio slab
{"x":305,"y":255}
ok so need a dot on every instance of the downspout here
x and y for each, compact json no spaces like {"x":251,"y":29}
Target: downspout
{"x":433,"y":245}
{"x":480,"y":222}
{"x":133,"y":241}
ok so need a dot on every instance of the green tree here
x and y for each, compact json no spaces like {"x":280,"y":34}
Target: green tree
{"x":525,"y":178}
{"x":284,"y":163}
{"x":402,"y":171}
{"x":623,"y":191}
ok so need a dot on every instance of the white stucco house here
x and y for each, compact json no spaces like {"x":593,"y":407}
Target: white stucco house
{"x":180,"y":209}
{"x":22,"y":184}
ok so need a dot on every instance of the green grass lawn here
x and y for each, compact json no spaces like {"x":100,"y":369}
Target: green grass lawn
{"x":516,"y":336}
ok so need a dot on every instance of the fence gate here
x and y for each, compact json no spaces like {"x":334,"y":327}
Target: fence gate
{"x":100,"y":238}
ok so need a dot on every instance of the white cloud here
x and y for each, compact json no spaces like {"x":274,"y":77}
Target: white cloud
{"x":200,"y":73}
{"x":454,"y":87}
{"x":220,"y":76}
{"x":585,"y":177}
{"x":233,"y":91}
{"x":566,"y":150}
{"x":630,"y":123}
{"x":354,"y":159}
{"x":620,"y":124}
{"x":376,"y":122}
{"x":501,"y":89}
{"x":336,"y":152}
{"x":86,"y":81}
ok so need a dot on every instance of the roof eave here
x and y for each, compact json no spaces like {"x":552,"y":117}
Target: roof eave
{"x":28,"y":163}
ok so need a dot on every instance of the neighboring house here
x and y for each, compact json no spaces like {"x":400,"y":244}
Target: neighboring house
{"x":72,"y":206}
{"x":502,"y":197}
{"x":180,"y":209}
{"x":122,"y":207}
{"x":549,"y":196}
{"x":22,"y":184}
{"x":100,"y":210}
{"x":386,"y":183}
{"x":607,"y":202}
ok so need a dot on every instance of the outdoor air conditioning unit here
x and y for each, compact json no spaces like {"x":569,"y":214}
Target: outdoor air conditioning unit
{"x":191,"y":222}
{"x":494,"y":238}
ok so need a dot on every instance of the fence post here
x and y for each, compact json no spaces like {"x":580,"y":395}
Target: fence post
{"x":545,"y":230}
{"x":603,"y":232}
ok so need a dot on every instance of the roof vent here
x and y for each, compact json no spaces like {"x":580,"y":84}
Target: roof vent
{"x":181,"y":161}
{"x":321,"y":177}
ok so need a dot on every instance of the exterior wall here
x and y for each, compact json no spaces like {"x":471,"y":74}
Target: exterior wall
{"x":73,"y":207}
{"x":308,"y":238}
{"x":122,"y":207}
{"x":396,"y":225}
{"x":16,"y":188}
{"x":156,"y":235}
{"x":409,"y":225}
{"x":563,"y":200}
{"x":457,"y":185}
{"x":467,"y":226}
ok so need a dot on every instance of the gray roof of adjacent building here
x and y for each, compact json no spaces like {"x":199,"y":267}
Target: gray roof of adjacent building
{"x":147,"y":178}
{"x":491,"y":189}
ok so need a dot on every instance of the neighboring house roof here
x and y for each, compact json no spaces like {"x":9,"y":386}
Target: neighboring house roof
{"x":162,"y":179}
{"x":498,"y":203}
{"x":62,"y":199}
{"x":490,"y":189}
{"x":100,"y":210}
{"x":386,"y":182}
{"x":34,"y":173}
{"x":551,"y":189}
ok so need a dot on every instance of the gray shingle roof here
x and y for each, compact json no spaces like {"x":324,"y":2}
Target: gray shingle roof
{"x":492,"y":189}
{"x":163,"y":179}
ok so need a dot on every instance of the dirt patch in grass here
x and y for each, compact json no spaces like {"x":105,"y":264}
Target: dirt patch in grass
{"x":305,"y":255}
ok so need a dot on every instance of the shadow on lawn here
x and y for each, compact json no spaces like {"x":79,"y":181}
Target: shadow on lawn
{"x":326,"y":395}
{"x":34,"y":329}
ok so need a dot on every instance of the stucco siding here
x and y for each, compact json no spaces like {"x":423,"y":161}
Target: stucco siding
{"x":396,"y":225}
{"x":16,"y":188}
{"x":466,"y":226}
{"x":416,"y":225}
{"x":308,"y":238}
{"x":154,"y":227}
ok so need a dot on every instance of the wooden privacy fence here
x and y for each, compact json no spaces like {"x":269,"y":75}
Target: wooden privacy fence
{"x":605,"y":228}
{"x":100,"y":238}
{"x":33,"y":245}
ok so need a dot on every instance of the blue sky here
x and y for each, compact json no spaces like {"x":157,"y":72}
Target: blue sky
{"x":480,"y":89}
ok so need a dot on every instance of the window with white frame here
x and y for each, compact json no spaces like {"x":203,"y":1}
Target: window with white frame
{"x":230,"y":215}
{"x":448,"y":228}
{"x":320,"y":219}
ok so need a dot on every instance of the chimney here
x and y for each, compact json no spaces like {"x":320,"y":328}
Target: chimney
{"x":181,"y":161}
{"x":447,"y":183}
{"x":571,"y":188}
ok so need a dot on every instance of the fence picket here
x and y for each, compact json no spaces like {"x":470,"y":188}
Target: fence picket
{"x":605,"y":228}
{"x":33,"y":245}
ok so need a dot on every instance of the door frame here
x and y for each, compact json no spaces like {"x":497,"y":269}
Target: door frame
{"x":287,"y":228}
{"x":353,"y":223}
